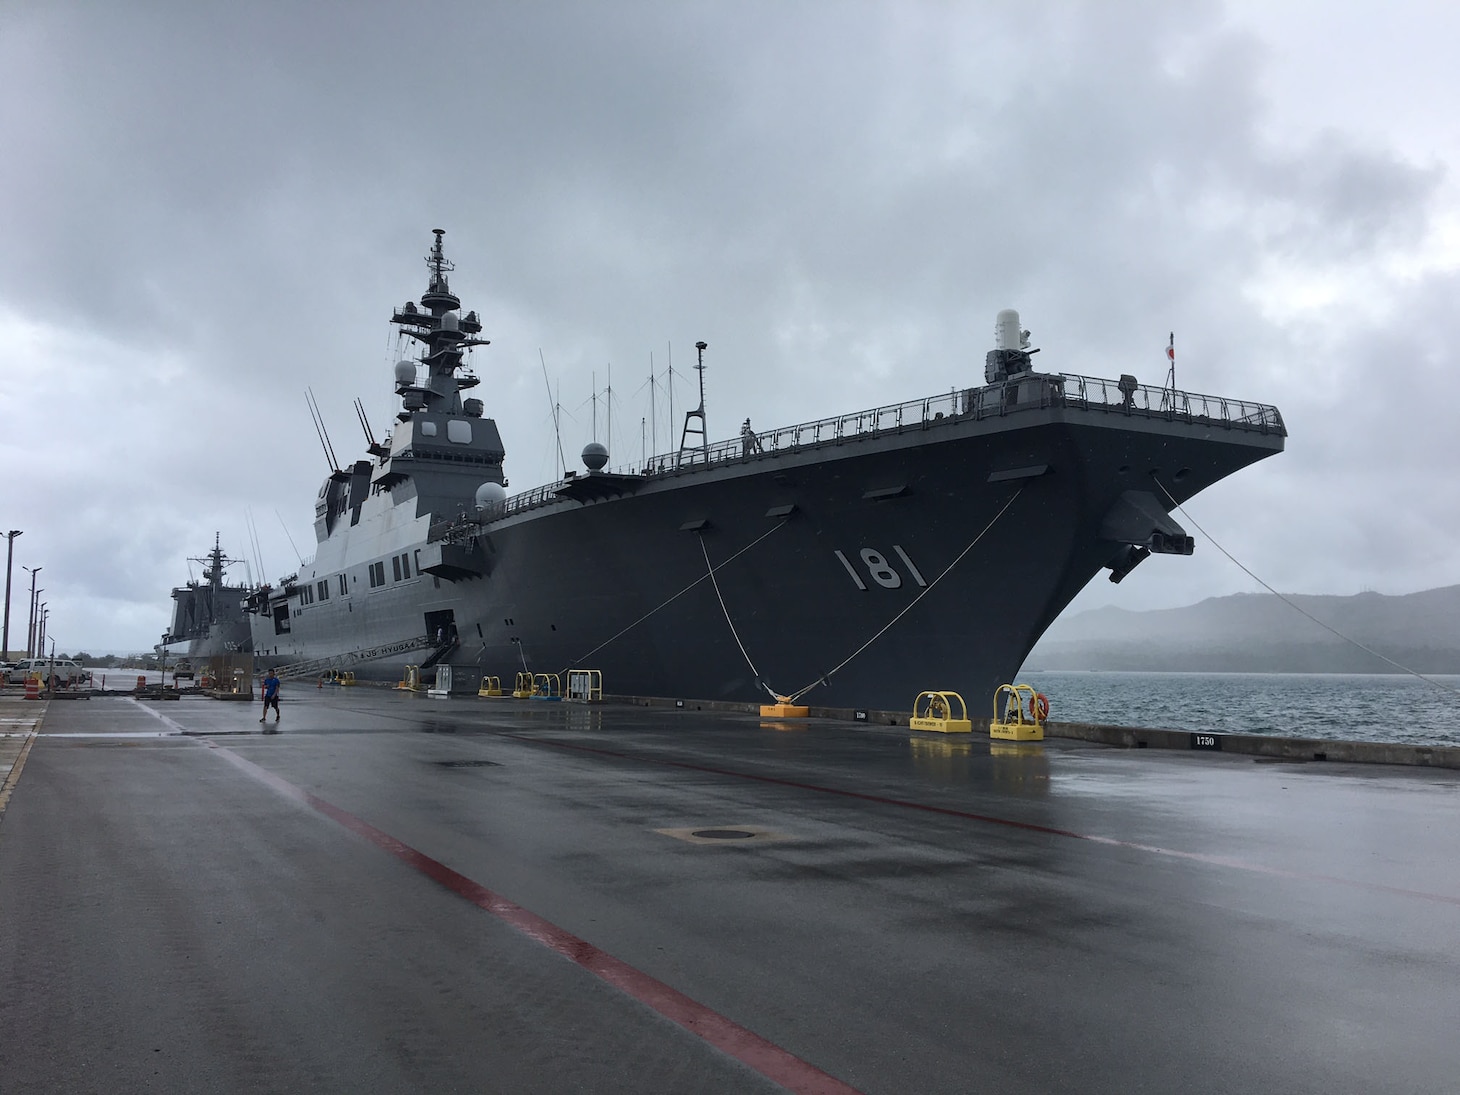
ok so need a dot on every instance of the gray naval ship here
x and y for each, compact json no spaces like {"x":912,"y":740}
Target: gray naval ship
{"x":850,"y":562}
{"x":208,"y":615}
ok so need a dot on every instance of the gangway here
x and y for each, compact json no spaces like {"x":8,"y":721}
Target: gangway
{"x":442,"y":649}
{"x":314,"y":668}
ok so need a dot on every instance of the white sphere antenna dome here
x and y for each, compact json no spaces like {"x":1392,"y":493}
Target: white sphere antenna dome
{"x":595,"y":456}
{"x":489,"y":494}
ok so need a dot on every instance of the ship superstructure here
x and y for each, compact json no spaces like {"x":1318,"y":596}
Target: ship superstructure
{"x":208,"y":614}
{"x":853,"y":561}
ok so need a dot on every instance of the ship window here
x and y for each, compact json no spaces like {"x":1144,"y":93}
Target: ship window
{"x":377,"y":575}
{"x":428,"y":429}
{"x":395,"y":566}
{"x":344,"y":587}
{"x":324,"y":590}
{"x":458,"y":431}
{"x":405,"y":565}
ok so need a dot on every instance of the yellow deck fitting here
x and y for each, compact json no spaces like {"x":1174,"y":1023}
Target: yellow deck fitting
{"x":524,"y":689}
{"x":1023,"y":716}
{"x":491,"y":686}
{"x":412,"y":680}
{"x":783,"y":708}
{"x":940,"y":712}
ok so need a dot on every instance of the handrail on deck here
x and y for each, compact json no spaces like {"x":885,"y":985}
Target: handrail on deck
{"x":1032,"y":391}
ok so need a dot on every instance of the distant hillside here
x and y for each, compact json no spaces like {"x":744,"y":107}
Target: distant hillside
{"x":1257,"y":632}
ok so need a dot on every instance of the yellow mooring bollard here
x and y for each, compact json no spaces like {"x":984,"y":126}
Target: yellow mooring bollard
{"x":935,"y":711}
{"x":1011,"y":724}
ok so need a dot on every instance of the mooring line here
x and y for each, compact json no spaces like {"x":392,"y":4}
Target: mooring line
{"x":721,"y":597}
{"x":681,"y":593}
{"x":911,"y":604}
{"x":1296,"y":608}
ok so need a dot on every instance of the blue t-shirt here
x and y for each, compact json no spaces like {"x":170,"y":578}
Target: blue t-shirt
{"x":271,"y":686}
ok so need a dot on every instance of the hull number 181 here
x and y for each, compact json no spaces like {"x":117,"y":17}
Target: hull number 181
{"x":880,"y":569}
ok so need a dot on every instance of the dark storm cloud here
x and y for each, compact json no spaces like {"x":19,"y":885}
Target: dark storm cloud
{"x":210,"y":209}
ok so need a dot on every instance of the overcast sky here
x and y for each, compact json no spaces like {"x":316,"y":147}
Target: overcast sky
{"x":206,"y":208}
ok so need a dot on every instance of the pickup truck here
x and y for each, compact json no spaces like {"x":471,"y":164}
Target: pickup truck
{"x":68,"y":673}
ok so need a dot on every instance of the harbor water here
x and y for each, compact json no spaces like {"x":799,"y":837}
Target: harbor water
{"x":1330,"y":706}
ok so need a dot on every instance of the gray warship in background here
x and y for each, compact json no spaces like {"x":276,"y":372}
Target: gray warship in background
{"x":208,"y":615}
{"x":850,"y":562}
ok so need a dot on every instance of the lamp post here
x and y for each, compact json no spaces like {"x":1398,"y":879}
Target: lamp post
{"x":30,"y":620}
{"x":40,"y":632}
{"x":9,"y":559}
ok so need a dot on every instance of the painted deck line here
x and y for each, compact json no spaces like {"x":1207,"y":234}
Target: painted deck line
{"x":14,"y":777}
{"x":765,"y":1057}
{"x":989,"y":819}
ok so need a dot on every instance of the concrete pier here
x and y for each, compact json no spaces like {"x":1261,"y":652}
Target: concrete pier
{"x":410,"y":894}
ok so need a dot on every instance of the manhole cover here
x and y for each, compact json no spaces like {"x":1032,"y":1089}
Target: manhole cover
{"x":468,"y":764}
{"x":722,"y":834}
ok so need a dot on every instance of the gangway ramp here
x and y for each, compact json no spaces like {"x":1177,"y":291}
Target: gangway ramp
{"x":295,"y":670}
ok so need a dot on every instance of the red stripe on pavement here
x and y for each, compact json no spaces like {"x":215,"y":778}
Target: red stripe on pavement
{"x":766,"y":1058}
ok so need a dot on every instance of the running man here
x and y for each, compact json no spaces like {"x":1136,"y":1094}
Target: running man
{"x":271,"y":695}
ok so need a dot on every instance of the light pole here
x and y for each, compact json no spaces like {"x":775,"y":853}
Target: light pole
{"x":40,"y":633}
{"x":30,"y":620}
{"x":9,"y":559}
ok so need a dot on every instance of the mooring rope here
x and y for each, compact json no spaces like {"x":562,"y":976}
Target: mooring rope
{"x":728,"y":620}
{"x":681,"y":593}
{"x":1297,"y":608}
{"x":911,"y":604}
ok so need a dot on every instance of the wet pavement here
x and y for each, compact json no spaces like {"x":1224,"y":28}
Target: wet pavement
{"x":398,"y":893}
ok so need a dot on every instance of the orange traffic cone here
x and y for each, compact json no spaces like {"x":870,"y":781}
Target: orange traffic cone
{"x":32,"y":687}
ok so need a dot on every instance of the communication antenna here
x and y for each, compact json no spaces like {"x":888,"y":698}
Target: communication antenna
{"x":253,"y":535}
{"x":373,"y":447}
{"x":557,"y":431}
{"x":697,"y":413}
{"x":324,"y":437}
{"x":289,"y":538}
{"x":653,"y":422}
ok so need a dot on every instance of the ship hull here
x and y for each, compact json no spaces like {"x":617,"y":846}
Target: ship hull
{"x":854,"y":574}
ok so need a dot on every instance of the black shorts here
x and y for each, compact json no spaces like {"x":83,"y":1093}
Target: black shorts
{"x":271,"y":701}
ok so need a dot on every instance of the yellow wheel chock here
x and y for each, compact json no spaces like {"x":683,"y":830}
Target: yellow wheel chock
{"x":941,"y":712}
{"x":491,"y":686}
{"x":1023,"y":716}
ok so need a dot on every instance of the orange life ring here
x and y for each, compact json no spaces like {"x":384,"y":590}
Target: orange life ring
{"x":1039,"y":707}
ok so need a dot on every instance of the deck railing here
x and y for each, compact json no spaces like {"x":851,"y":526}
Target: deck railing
{"x":1036,"y":391}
